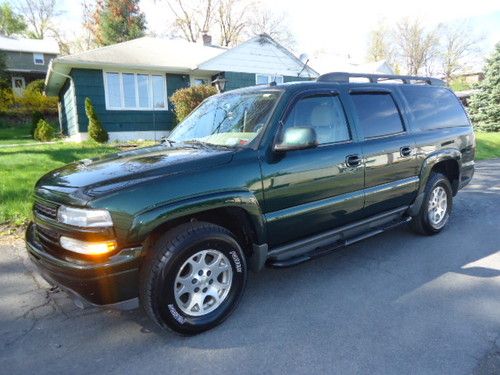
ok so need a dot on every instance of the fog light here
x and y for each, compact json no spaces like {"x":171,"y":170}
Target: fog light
{"x":87,"y":248}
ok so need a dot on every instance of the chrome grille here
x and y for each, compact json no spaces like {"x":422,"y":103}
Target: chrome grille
{"x":45,"y":210}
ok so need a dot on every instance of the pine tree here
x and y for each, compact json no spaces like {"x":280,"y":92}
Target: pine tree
{"x":95,"y":129}
{"x":116,"y":21}
{"x":485,"y":105}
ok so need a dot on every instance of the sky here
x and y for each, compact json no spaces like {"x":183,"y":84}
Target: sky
{"x":337,"y":28}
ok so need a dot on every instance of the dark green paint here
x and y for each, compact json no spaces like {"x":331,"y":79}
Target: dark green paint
{"x":287,"y":196}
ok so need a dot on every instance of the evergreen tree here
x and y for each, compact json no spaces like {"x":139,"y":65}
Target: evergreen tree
{"x":485,"y":105}
{"x":44,"y":132}
{"x":116,"y":21}
{"x":95,"y":129}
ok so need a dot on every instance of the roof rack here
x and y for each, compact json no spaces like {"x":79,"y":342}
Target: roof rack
{"x":343,"y":77}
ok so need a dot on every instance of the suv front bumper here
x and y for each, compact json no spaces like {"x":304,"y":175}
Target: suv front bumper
{"x":113,"y":282}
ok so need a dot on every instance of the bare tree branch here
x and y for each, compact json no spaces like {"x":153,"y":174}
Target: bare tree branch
{"x":39,"y":15}
{"x":459,"y":43}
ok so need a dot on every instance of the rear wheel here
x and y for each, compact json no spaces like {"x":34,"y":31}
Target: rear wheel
{"x":436,"y":206}
{"x":192,"y":278}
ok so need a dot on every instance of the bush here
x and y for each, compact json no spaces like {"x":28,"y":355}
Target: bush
{"x":34,"y":101}
{"x":6,"y":99}
{"x":44,"y":132}
{"x":95,"y":129}
{"x":187,"y":99}
{"x":35,"y":119}
{"x":35,"y":86}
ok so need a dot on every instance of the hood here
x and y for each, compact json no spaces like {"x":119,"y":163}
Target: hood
{"x":91,"y":178}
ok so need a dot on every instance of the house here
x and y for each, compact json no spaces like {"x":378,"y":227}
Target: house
{"x":27,"y":59}
{"x":470,"y":78}
{"x":325,"y":63}
{"x":129,"y":83}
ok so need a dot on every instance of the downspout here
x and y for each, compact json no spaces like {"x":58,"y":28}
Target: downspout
{"x":73,"y":95}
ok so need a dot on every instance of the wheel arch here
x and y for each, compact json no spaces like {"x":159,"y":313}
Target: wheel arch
{"x":239,"y":212}
{"x":446,"y":162}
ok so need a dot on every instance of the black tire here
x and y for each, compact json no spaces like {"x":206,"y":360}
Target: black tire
{"x":421,"y":223}
{"x":163,"y":262}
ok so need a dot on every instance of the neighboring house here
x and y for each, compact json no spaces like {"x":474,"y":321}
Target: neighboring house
{"x":333,"y":63}
{"x":27,"y":59}
{"x":130,"y":83}
{"x":470,"y":78}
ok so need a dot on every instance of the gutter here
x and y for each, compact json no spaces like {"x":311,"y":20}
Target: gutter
{"x":73,"y":94}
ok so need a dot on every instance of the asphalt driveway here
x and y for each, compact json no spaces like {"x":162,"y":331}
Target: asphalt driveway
{"x":393,"y":304}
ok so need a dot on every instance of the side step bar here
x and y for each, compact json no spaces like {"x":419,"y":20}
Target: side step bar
{"x":333,"y":246}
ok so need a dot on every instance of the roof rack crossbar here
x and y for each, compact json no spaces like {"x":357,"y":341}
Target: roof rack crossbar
{"x":343,"y":77}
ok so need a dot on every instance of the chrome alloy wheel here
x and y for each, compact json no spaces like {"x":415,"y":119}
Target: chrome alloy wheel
{"x":438,"y":205}
{"x":203,"y":282}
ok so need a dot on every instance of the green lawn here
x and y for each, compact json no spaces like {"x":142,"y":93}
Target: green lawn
{"x":22,"y":166}
{"x":487,"y":146}
{"x":15,"y":134}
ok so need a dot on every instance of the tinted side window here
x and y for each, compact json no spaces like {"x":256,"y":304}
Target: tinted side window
{"x":434,"y":108}
{"x":377,"y":114}
{"x":324,"y":114}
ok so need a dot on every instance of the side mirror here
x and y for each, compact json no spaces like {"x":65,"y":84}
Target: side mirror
{"x":297,"y":139}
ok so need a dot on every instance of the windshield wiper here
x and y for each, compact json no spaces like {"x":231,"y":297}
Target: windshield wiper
{"x":206,"y":145}
{"x":166,"y":140}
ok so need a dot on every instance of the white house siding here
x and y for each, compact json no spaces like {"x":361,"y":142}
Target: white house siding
{"x":258,"y":55}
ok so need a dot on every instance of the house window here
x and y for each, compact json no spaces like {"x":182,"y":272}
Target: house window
{"x":38,"y":59}
{"x":200,"y":81}
{"x":135,"y":91}
{"x":265,"y":79}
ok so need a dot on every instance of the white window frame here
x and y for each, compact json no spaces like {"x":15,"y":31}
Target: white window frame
{"x":270,"y":78}
{"x":38,"y":56}
{"x":122,"y":97}
{"x":18,"y":90}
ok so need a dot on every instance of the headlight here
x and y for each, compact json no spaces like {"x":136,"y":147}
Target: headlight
{"x":84,"y":217}
{"x":87,"y":248}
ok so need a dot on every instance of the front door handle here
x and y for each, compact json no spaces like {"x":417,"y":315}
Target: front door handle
{"x":405,"y":151}
{"x":353,"y":160}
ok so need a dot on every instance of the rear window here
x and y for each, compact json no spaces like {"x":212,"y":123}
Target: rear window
{"x":377,"y":114}
{"x":433,"y":108}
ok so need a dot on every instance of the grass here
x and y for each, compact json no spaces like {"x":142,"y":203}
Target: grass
{"x":22,"y":166}
{"x":17,"y":134}
{"x":487,"y":146}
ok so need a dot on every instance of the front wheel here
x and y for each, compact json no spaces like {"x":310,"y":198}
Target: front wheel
{"x":436,"y":206}
{"x":192,"y":278}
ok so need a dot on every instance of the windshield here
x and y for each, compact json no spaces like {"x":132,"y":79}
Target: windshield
{"x":232,"y":119}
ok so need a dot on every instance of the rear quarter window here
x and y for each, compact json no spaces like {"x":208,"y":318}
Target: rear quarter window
{"x":377,"y":114}
{"x":433,"y":108}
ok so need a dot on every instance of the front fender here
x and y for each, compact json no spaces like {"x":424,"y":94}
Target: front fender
{"x":433,"y":159}
{"x":144,"y":223}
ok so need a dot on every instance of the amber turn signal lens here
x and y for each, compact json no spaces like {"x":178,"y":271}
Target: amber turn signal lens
{"x":87,"y":248}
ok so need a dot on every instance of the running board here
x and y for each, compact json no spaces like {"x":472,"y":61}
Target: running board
{"x":333,"y":247}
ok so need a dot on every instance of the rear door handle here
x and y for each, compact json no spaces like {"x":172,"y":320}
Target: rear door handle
{"x":405,"y":151}
{"x":353,"y":160}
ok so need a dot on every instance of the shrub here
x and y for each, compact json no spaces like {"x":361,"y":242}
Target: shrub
{"x":34,"y":101}
{"x":35,"y":86}
{"x":95,"y":129}
{"x":6,"y":99}
{"x":44,"y":132}
{"x":35,"y":119}
{"x":187,"y":99}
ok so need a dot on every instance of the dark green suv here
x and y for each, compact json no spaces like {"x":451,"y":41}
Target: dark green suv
{"x":269,"y":175}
